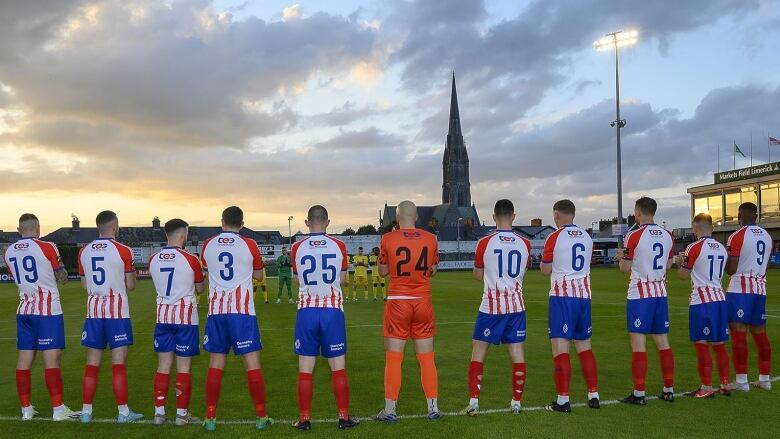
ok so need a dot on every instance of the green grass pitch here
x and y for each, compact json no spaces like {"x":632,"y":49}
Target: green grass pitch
{"x":456,"y":299}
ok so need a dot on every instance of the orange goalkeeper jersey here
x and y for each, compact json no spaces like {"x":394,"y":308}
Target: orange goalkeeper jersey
{"x":410,"y":255}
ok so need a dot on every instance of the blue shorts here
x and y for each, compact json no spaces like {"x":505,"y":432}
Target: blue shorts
{"x":180,"y":339}
{"x":569,"y":318}
{"x":39,"y":333}
{"x":500,"y":328}
{"x":237,"y":331}
{"x":709,"y":322}
{"x":112,"y":332}
{"x":749,"y":309}
{"x":648,"y":316}
{"x":320,"y":331}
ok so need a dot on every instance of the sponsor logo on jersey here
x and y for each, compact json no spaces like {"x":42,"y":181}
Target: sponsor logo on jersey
{"x":656,"y":232}
{"x":21,"y":245}
{"x":99,"y":246}
{"x":318,"y":242}
{"x":757,"y":231}
{"x":225,"y":240}
{"x":713,"y":245}
{"x":167,"y":256}
{"x":412,"y":234}
{"x":506,"y":238}
{"x":575,"y":233}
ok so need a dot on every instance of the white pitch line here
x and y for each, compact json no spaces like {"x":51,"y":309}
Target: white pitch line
{"x":362,"y":418}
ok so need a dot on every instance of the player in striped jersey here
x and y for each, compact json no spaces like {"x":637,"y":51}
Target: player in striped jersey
{"x":107,"y":273}
{"x":749,"y":249}
{"x":646,"y":256}
{"x":566,"y":259}
{"x":232,"y":261}
{"x":500,"y":262}
{"x":37,"y":269}
{"x":320,"y":261}
{"x":703,"y":262}
{"x":178,"y":278}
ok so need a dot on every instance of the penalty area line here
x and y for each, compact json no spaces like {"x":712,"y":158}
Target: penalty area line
{"x":360,"y":418}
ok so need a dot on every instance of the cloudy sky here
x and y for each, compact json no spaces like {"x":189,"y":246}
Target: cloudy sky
{"x":180,"y":108}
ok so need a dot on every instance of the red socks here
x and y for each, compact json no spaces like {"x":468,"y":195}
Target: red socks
{"x":89,"y":383}
{"x":341,"y":391}
{"x":764,"y":353}
{"x":213,"y":384}
{"x":476,"y":369}
{"x":518,"y":381}
{"x":667,"y":366}
{"x":23,"y":386}
{"x":739,"y":351}
{"x":639,"y":369}
{"x":256,"y":384}
{"x":704,"y":363}
{"x":722,"y":358}
{"x":161,"y":384}
{"x":305,"y":390}
{"x":589,"y":371}
{"x":183,"y":386}
{"x":562,"y":373}
{"x":53,"y":378}
{"x":119,"y":383}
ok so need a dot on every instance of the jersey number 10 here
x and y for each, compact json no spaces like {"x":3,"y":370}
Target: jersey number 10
{"x":514,"y":262}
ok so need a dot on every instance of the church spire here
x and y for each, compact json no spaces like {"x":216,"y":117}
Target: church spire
{"x":454,"y":113}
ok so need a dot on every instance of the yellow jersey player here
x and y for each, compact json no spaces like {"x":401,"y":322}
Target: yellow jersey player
{"x":345,"y":285}
{"x":377,"y":280}
{"x":360,"y":261}
{"x":263,"y":286}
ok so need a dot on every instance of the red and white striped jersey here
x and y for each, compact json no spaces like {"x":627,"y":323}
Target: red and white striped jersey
{"x":569,"y":250}
{"x":706,"y":258}
{"x":649,"y":249}
{"x":175,"y":273}
{"x":230,"y":259}
{"x":318,"y":261}
{"x":32,"y":263}
{"x":504,"y":256}
{"x":753,"y":246}
{"x":103,"y":264}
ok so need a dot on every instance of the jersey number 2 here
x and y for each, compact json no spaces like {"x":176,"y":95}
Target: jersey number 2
{"x":421,"y":265}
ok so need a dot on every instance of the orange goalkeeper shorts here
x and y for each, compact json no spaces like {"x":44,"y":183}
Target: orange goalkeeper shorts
{"x":409,"y":318}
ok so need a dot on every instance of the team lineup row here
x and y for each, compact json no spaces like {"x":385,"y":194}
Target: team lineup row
{"x":409,"y":257}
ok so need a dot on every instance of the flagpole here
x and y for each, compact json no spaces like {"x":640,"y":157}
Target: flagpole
{"x":768,"y":148}
{"x":751,"y":147}
{"x":734,"y":153}
{"x":719,"y":158}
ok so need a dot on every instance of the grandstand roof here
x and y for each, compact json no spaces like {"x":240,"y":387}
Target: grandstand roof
{"x":152,"y":235}
{"x":9,"y":236}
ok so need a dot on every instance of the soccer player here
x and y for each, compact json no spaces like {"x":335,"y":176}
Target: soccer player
{"x":107,"y":273}
{"x":232,"y":261}
{"x":566,"y":259}
{"x":37,"y":269}
{"x":377,"y":280}
{"x":410,"y":257}
{"x":360,"y":261}
{"x":703,"y":262}
{"x":500,"y":262}
{"x":284,"y":264}
{"x":646,"y":256}
{"x":319,"y":261}
{"x":345,"y":284}
{"x":262,"y":284}
{"x":178,"y":278}
{"x":749,"y":249}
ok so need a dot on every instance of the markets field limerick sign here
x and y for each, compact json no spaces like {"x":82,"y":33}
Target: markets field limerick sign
{"x":745,"y":173}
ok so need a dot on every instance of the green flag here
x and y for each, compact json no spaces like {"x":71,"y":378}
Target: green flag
{"x":738,"y":151}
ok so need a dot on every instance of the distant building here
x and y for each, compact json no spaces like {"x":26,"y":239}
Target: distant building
{"x":456,"y":217}
{"x":8,"y":237}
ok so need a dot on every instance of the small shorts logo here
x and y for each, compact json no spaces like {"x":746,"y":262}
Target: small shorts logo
{"x":565,"y":328}
{"x":486,"y":332}
{"x":156,"y":345}
{"x":297,"y":343}
{"x":666,"y":324}
{"x":706,"y":331}
{"x":740,"y":313}
{"x":83,"y":335}
{"x":205,"y":339}
{"x":637,"y":323}
{"x":590,"y":329}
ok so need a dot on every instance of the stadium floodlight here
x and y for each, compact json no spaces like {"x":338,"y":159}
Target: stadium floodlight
{"x":289,"y":230}
{"x":614,"y":41}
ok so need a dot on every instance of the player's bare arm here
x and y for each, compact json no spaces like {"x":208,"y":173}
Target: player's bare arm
{"x":257,"y":274}
{"x":384,"y":270}
{"x":545,"y":268}
{"x":130,"y":281}
{"x":83,"y":282}
{"x":682,"y":272}
{"x":61,"y":275}
{"x":479,"y":273}
{"x":623,"y":264}
{"x":731,"y":265}
{"x":199,"y":287}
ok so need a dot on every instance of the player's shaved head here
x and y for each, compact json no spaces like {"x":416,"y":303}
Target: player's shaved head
{"x":702,"y":224}
{"x":28,"y":223}
{"x":406,"y":213}
{"x":647,"y":206}
{"x":105,"y":220}
{"x":317,"y":214}
{"x":504,"y":208}
{"x":233,"y":217}
{"x":748,"y":213}
{"x":174,"y":226}
{"x":565,"y":207}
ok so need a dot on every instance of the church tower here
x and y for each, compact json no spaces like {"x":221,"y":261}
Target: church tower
{"x":455,"y":186}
